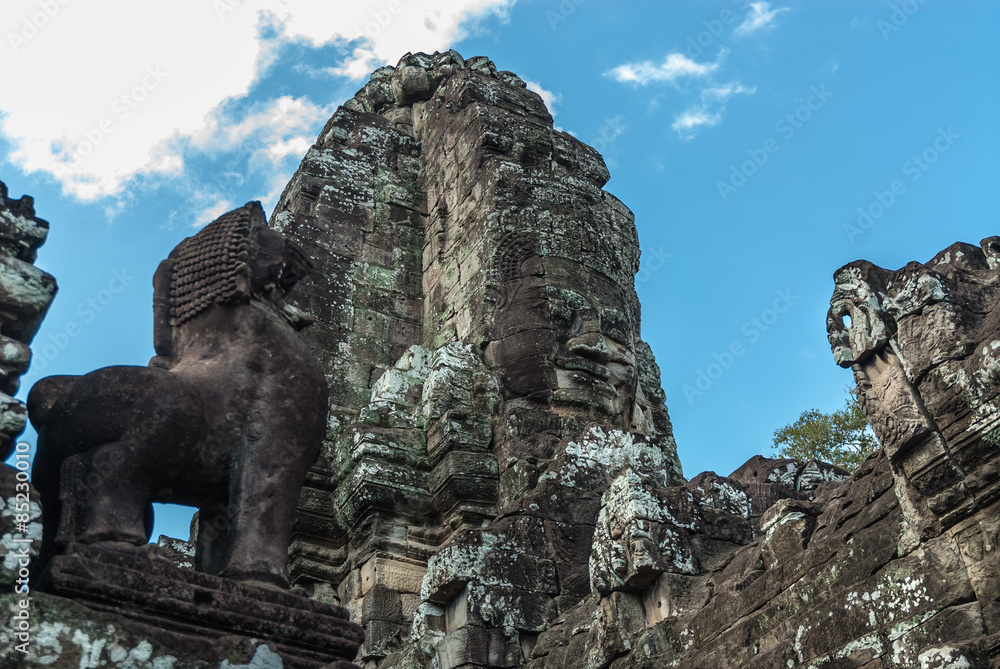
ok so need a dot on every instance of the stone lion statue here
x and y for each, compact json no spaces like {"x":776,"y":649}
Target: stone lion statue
{"x":227,"y":417}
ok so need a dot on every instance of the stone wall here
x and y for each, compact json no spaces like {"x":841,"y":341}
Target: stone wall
{"x":25,"y":295}
{"x":357,"y":208}
{"x":895,"y":566}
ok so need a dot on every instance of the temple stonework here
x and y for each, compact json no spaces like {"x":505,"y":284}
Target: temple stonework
{"x":498,"y":483}
{"x":479,"y":325}
{"x":25,"y":295}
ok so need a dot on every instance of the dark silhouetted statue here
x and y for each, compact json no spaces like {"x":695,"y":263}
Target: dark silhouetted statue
{"x":227,"y":417}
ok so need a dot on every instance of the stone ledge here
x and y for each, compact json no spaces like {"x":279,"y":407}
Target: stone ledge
{"x":151,"y":593}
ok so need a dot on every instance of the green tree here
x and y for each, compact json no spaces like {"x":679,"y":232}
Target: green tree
{"x":842,"y":438}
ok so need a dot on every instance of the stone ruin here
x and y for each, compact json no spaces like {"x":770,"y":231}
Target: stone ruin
{"x":25,"y":295}
{"x":498,"y":484}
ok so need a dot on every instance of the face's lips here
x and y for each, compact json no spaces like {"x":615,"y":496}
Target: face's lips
{"x":592,"y":368}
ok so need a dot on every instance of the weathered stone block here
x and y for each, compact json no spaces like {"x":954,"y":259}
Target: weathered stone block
{"x":381,"y":603}
{"x":25,"y":294}
{"x":392,"y":573}
{"x":381,"y":639}
{"x":191,"y":616}
{"x":473,"y":474}
{"x":20,"y":524}
{"x":21,"y":232}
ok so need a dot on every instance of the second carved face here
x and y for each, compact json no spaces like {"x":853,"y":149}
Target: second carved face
{"x":564,"y":334}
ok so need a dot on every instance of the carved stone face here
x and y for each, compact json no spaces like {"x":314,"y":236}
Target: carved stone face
{"x":564,"y":334}
{"x":869,"y":328}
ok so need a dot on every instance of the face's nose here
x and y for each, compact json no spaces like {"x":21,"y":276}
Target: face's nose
{"x":589,"y":341}
{"x":591,"y":345}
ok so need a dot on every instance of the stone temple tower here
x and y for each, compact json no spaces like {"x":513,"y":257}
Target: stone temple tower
{"x":479,"y":327}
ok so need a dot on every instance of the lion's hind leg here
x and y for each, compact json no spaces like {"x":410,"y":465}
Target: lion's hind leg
{"x":106,"y":496}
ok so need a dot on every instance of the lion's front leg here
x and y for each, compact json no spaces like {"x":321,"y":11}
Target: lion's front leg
{"x":280,"y":441}
{"x":261,"y":510}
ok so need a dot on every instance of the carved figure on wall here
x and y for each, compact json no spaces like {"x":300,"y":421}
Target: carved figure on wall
{"x":868,"y":327}
{"x":227,"y":417}
{"x":920,"y":343}
{"x":864,"y":343}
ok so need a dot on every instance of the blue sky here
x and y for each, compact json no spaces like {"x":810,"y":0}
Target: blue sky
{"x":760,"y":145}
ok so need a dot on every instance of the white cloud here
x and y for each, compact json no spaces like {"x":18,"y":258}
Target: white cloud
{"x":689,"y":121}
{"x":384,"y":30}
{"x":213,"y":211}
{"x":98,"y":95}
{"x":708,"y":110}
{"x":725,"y":91}
{"x":295,"y":146}
{"x":269,"y":131}
{"x":760,"y":16}
{"x":548,"y":97}
{"x":674,"y":67}
{"x":274,"y":118}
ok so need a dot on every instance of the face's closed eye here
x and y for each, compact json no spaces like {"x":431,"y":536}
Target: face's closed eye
{"x":616,"y":325}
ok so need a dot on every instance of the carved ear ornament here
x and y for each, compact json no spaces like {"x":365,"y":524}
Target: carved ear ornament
{"x":511,"y":251}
